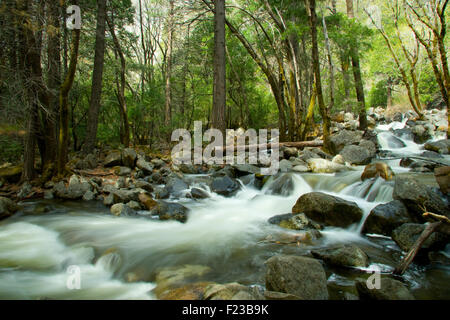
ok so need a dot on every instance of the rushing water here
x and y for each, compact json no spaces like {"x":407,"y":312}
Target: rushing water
{"x":119,"y":256}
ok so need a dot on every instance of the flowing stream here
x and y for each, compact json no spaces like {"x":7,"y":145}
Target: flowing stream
{"x":118,"y":257}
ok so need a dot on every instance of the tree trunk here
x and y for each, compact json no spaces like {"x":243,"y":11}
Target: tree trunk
{"x":97,"y":77}
{"x":316,"y":67}
{"x":219,"y":91}
{"x":357,"y":75}
{"x":330,"y":63}
{"x":168,"y":90}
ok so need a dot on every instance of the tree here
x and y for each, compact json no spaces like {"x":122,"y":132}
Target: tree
{"x":219,"y":90}
{"x":97,"y":76}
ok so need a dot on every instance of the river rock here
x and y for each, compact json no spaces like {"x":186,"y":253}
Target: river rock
{"x":122,"y":171}
{"x":197,"y":193}
{"x":441,"y":146}
{"x":108,"y":200}
{"x":125,"y":195}
{"x":421,"y":134}
{"x":357,"y":155}
{"x":172,"y":211}
{"x":89,"y":196}
{"x":290,"y":152}
{"x":188,"y":168}
{"x":417,"y":196}
{"x":442,"y":176}
{"x":294,"y":222}
{"x":114,"y":158}
{"x":11,"y":174}
{"x":129,"y":157}
{"x":407,"y":234}
{"x":344,"y":138}
{"x":147,"y":201}
{"x":245,"y":169}
{"x":342,"y":256}
{"x":191,"y":291}
{"x":232,"y":291}
{"x":325,"y":166}
{"x":7,"y":208}
{"x":300,"y":276}
{"x":285,"y":165}
{"x":144,"y":165}
{"x":384,"y":218}
{"x":143,"y":185}
{"x":327,"y":209}
{"x":134,"y":205}
{"x":121,"y":209}
{"x":281,"y":185}
{"x":390,"y":289}
{"x":378,"y":169}
{"x":75,"y":190}
{"x":158,"y":163}
{"x":176,"y":186}
{"x":225,"y":186}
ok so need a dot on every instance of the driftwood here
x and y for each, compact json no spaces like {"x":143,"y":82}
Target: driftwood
{"x":441,"y":225}
{"x":300,"y":144}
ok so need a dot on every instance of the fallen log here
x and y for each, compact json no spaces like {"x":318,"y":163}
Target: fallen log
{"x":268,"y":146}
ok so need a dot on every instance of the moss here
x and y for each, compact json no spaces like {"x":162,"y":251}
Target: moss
{"x":11,"y":174}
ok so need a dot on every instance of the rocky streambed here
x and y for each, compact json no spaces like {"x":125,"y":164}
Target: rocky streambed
{"x":137,"y":226}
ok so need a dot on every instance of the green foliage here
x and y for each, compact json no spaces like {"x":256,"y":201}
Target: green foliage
{"x":378,"y":95}
{"x":11,"y":148}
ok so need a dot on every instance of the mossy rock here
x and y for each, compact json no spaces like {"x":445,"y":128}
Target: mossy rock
{"x":11,"y":174}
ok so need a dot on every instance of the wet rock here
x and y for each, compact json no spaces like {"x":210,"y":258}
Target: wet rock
{"x":301,"y":169}
{"x":390,"y":289}
{"x":134,"y":205}
{"x":384,"y":218}
{"x":416,"y":197}
{"x":282,"y":185}
{"x":176,"y":187}
{"x":294,"y":222}
{"x":121,"y":209}
{"x":192,"y":291}
{"x":441,"y":146}
{"x":232,"y":291}
{"x":327,"y":209}
{"x":157,"y":178}
{"x":421,"y":134}
{"x":225,"y":186}
{"x":129,"y":157}
{"x":108,"y":200}
{"x":273,"y":295}
{"x":143,"y":185}
{"x":308,"y":154}
{"x":188,"y":168}
{"x":404,"y":133}
{"x":285,"y":165}
{"x":122,"y":171}
{"x":197,"y":193}
{"x":143,"y":165}
{"x":7,"y":208}
{"x":25,"y":191}
{"x":325,"y":166}
{"x":342,"y":256}
{"x":124,"y":195}
{"x":172,"y":211}
{"x":378,"y":169}
{"x":300,"y":276}
{"x":442,"y":176}
{"x":245,"y":169}
{"x":11,"y":174}
{"x":114,"y":158}
{"x":76,"y":189}
{"x":407,"y":234}
{"x":290,"y":152}
{"x":48,"y":195}
{"x":89,"y":196}
{"x":147,"y":201}
{"x":344,"y":138}
{"x":357,"y":155}
{"x":158,"y":163}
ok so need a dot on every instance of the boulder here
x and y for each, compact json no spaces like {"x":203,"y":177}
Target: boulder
{"x":188,"y":168}
{"x":175,"y":186}
{"x":144,"y":165}
{"x":390,"y":289}
{"x":134,"y":205}
{"x":285,"y":165}
{"x":7,"y":208}
{"x":197,"y":193}
{"x":245,"y":169}
{"x":327,"y":209}
{"x":407,"y":234}
{"x":441,"y":146}
{"x":417,"y":197}
{"x":129,"y":157}
{"x":281,"y":185}
{"x":147,"y":201}
{"x":344,"y":138}
{"x":225,"y":186}
{"x":122,"y":171}
{"x":121,"y":209}
{"x":300,"y":276}
{"x":89,"y":196}
{"x":384,"y":218}
{"x":125,"y":195}
{"x":11,"y":174}
{"x":114,"y":158}
{"x":158,"y":163}
{"x":143,"y":185}
{"x":290,"y":152}
{"x":442,"y":176}
{"x":342,"y":256}
{"x":325,"y":166}
{"x":172,"y":211}
{"x":75,"y":190}
{"x":294,"y":222}
{"x":421,"y":134}
{"x":357,"y":155}
{"x":378,"y":169}
{"x":232,"y":291}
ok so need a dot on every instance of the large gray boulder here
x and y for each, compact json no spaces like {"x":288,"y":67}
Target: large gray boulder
{"x":114,"y":158}
{"x":327,"y":209}
{"x":172,"y":211}
{"x":342,"y":256}
{"x":129,"y":157}
{"x":344,"y":138}
{"x":281,"y":185}
{"x":7,"y":208}
{"x":175,"y":186}
{"x":357,"y":155}
{"x":76,"y":189}
{"x":300,"y":276}
{"x":390,"y":289}
{"x":144,"y":165}
{"x":384,"y":218}
{"x":294,"y":222}
{"x":225,"y":186}
{"x":407,"y":234}
{"x":441,"y":146}
{"x":417,"y":197}
{"x":121,"y":209}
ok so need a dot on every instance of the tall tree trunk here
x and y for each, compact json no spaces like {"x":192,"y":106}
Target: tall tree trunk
{"x":168,"y":89}
{"x":359,"y":86}
{"x":97,"y":77}
{"x":330,"y":63}
{"x":63,"y":142}
{"x":219,"y":91}
{"x":316,"y":67}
